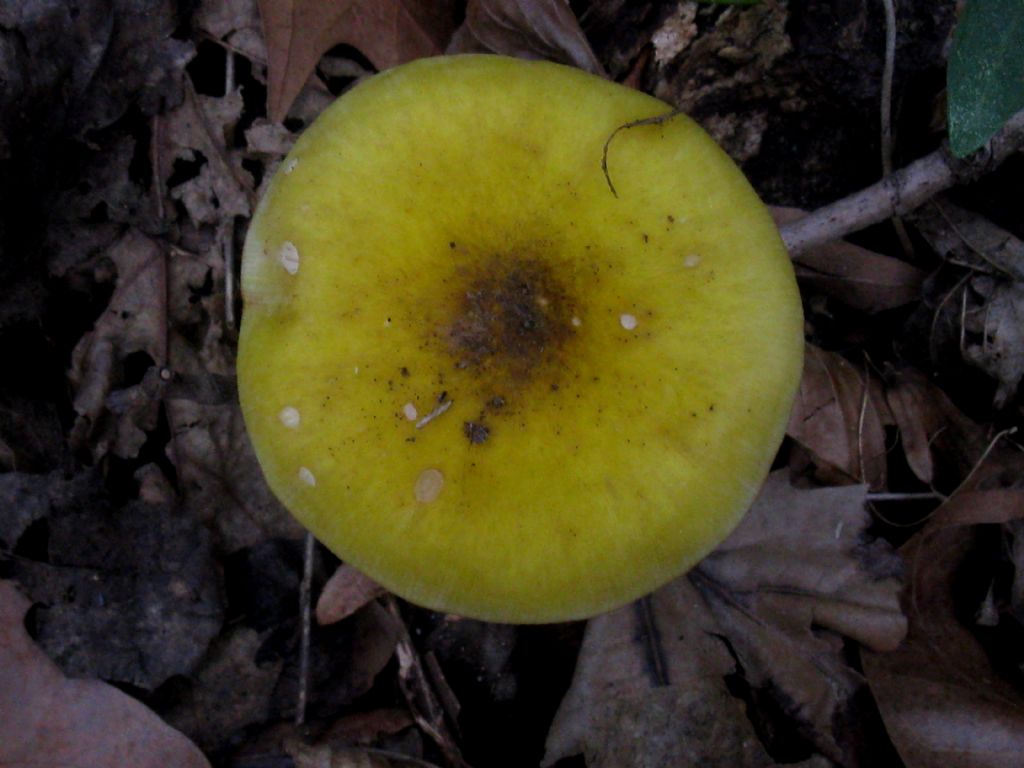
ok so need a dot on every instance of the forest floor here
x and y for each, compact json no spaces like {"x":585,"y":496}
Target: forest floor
{"x":869,"y":610}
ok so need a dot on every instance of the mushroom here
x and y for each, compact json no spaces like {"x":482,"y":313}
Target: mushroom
{"x":487,"y":381}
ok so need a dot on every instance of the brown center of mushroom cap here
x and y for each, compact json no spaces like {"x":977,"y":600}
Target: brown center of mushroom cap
{"x":511,"y":316}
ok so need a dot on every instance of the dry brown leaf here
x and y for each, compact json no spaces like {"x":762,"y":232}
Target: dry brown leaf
{"x":134,"y":321}
{"x":126,"y":593}
{"x":75,"y":236}
{"x":198,"y":131}
{"x":484,"y":649}
{"x":154,"y":486}
{"x":201,"y":353}
{"x":78,"y":69}
{"x":526,"y":29}
{"x":270,"y":142}
{"x":162,"y":306}
{"x":989,"y":318}
{"x":7,"y":457}
{"x":219,"y":476}
{"x":168,"y":303}
{"x":387,"y":32}
{"x":978,"y":508}
{"x":236,"y":23}
{"x":283,"y":743}
{"x":344,"y":662}
{"x":48,"y":719}
{"x":852,"y":275}
{"x":270,"y":139}
{"x":134,"y":413}
{"x":840,"y":419}
{"x":803,"y":553}
{"x":1014,"y":532}
{"x":345,"y":592}
{"x":941,"y":701}
{"x":32,"y":437}
{"x":649,"y":690}
{"x":229,"y":691}
{"x":365,"y":728}
{"x":963,"y":236}
{"x":420,"y":695}
{"x":998,"y":326}
{"x":200,"y":326}
{"x":320,"y":756}
{"x":24,"y":498}
{"x":938,"y":440}
{"x":859,"y":278}
{"x":795,"y":576}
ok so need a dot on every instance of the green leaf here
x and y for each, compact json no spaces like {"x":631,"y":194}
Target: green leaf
{"x":985,"y":80}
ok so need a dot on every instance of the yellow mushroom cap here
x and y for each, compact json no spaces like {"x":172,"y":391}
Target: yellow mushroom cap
{"x":485,"y":380}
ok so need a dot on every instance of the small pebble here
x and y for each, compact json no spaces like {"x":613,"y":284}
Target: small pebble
{"x":628,"y":321}
{"x":307,"y":477}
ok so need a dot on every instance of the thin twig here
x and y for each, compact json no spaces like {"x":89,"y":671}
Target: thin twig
{"x":305,"y":601}
{"x":937,"y":315}
{"x":419,"y":695}
{"x":657,"y":120}
{"x":229,"y":227}
{"x":976,"y":250}
{"x":963,"y":323}
{"x":893,"y":524}
{"x":887,"y":73}
{"x":434,"y":414}
{"x":910,"y":496}
{"x":155,"y":143}
{"x":218,"y":151}
{"x":387,"y":756}
{"x":888,"y":70}
{"x":903,"y":191}
{"x":984,"y":456}
{"x":860,"y":425}
{"x":650,"y":636}
{"x":872,"y":497}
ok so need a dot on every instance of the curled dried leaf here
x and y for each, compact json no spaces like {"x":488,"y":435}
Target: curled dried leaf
{"x":941,"y":700}
{"x":937,"y":439}
{"x":134,"y":322}
{"x":854,"y":276}
{"x":839,"y":416}
{"x":656,"y":662}
{"x":387,"y":32}
{"x":49,"y":719}
{"x":345,"y":592}
{"x":525,"y":29}
{"x":798,"y":573}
